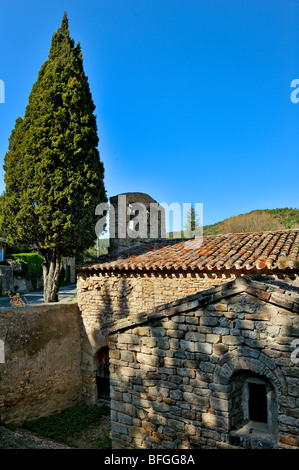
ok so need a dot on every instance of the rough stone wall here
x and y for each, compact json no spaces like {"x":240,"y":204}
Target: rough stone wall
{"x":176,"y":380}
{"x":107,"y":295}
{"x":40,"y":362}
{"x":102,"y":297}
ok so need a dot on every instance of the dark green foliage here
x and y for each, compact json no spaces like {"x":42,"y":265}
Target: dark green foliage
{"x":68,"y":422}
{"x":53,"y":173}
{"x":32,"y":266}
{"x":192,"y":222}
{"x":13,"y":249}
{"x":287,"y":217}
{"x":33,"y":261}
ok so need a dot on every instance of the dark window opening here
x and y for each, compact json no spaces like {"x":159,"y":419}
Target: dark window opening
{"x":257,"y":402}
{"x":103,"y":380}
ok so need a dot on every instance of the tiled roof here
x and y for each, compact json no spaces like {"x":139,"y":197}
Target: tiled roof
{"x":254,"y":252}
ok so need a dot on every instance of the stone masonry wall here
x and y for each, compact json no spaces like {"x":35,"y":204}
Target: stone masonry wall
{"x":102,"y":297}
{"x":6,"y":279}
{"x":176,"y":377}
{"x":40,"y":361}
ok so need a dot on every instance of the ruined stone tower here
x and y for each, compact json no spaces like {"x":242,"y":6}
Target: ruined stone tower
{"x":136,"y":218}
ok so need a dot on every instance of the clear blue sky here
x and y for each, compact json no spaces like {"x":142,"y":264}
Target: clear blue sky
{"x":192,"y":96}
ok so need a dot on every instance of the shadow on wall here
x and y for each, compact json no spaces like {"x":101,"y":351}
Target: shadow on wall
{"x":204,"y":380}
{"x":94,"y":344}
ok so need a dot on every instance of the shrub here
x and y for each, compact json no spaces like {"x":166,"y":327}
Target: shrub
{"x":33,"y":262}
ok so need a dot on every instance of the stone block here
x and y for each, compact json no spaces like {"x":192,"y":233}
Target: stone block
{"x":232,"y":340}
{"x":244,"y":324}
{"x":214,"y":421}
{"x":194,"y":336}
{"x":148,"y":359}
{"x":213,"y":338}
{"x":203,"y":348}
{"x":220,"y":349}
{"x":200,"y":402}
{"x":141,"y":331}
{"x":148,"y":342}
{"x":220,"y":404}
{"x":187,"y":345}
{"x":127,"y":356}
{"x":160,"y":407}
{"x":128,"y":339}
{"x":170,"y":325}
{"x":209,"y":321}
{"x":157,"y":332}
{"x":176,"y":394}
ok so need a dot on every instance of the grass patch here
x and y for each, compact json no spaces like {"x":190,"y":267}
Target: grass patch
{"x":73,"y":298}
{"x":80,"y":426}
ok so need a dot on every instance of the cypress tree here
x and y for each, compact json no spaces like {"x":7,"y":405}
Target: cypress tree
{"x":53,"y":173}
{"x":192,"y":222}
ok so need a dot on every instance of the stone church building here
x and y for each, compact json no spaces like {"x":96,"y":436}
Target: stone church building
{"x":195,"y":345}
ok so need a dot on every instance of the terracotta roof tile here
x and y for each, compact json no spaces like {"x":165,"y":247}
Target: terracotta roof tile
{"x":235,"y":252}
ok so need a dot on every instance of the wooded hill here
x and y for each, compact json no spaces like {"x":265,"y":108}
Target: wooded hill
{"x":257,"y":220}
{"x":254,"y":221}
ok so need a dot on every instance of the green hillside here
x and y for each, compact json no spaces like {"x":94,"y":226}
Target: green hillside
{"x":252,"y":221}
{"x":288,"y":218}
{"x":260,"y":219}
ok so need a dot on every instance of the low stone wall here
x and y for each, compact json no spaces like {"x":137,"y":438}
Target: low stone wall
{"x":181,"y":375}
{"x":40,"y":361}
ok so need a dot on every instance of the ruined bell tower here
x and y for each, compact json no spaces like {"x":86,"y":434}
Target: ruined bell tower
{"x":134,"y":218}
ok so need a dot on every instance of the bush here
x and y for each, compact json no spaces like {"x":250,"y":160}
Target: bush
{"x":33,"y":263}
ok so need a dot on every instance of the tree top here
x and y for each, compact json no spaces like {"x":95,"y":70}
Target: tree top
{"x":60,"y":36}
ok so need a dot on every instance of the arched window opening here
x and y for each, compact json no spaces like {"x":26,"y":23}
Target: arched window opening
{"x":257,"y":402}
{"x":254,"y":409}
{"x":103,"y":380}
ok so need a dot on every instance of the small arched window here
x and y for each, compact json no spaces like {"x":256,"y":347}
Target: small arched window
{"x":253,"y":412}
{"x":258,"y":397}
{"x":257,"y":402}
